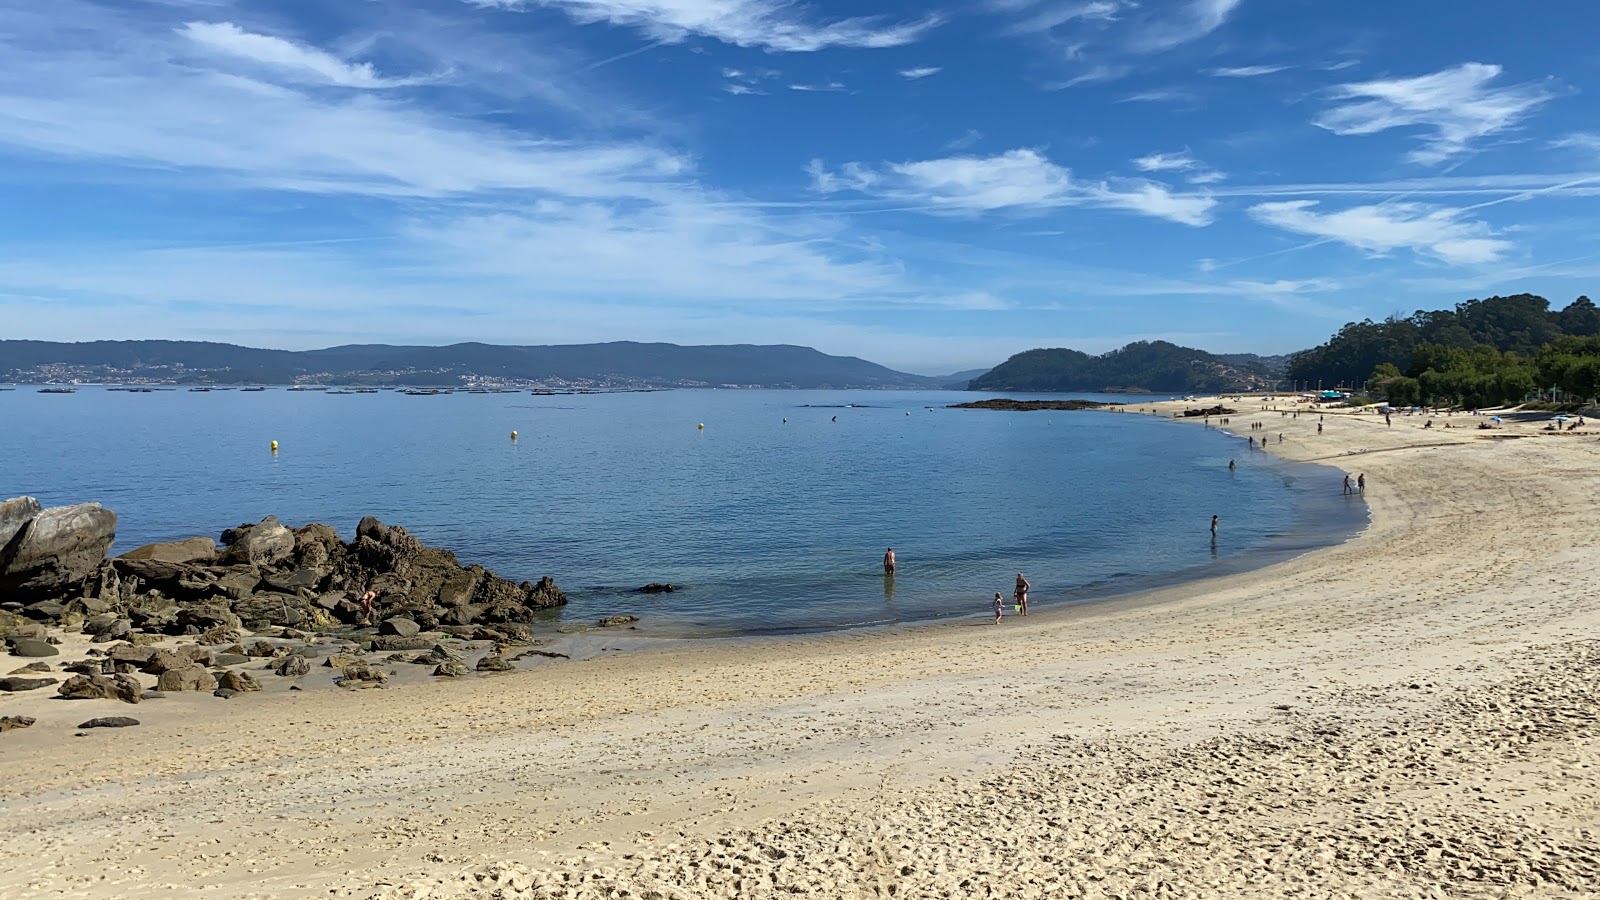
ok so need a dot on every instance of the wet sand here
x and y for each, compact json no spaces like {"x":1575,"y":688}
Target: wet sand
{"x":1410,"y":714}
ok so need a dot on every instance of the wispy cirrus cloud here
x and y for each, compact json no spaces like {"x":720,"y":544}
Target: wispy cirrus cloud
{"x":1194,"y":171}
{"x":1243,"y":71}
{"x":1441,"y":233}
{"x":920,"y":72}
{"x":1459,"y":105}
{"x":1104,"y":40}
{"x":299,"y":62}
{"x":769,"y":24}
{"x":1018,"y":180}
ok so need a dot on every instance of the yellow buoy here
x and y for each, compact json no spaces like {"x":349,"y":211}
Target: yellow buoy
{"x":702,"y":426}
{"x":513,"y":435}
{"x":274,"y":446}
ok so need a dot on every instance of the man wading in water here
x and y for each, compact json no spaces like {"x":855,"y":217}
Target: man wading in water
{"x":888,"y":561}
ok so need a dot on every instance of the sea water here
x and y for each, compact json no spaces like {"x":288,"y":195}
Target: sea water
{"x":773,"y":517}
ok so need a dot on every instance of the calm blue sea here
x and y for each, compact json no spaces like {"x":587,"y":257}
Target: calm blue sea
{"x":774,"y":517}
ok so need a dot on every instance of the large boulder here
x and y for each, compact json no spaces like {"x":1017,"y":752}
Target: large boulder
{"x":102,"y":687}
{"x":32,"y":647}
{"x":190,"y":678}
{"x":57,"y":549}
{"x":239,"y":682}
{"x":16,"y":683}
{"x":188,"y":550}
{"x":263,"y":544}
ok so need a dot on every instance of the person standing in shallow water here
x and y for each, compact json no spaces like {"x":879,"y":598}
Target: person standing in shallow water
{"x":1213,"y":526}
{"x":888,"y":561}
{"x":1361,"y":483}
{"x":1021,"y":594}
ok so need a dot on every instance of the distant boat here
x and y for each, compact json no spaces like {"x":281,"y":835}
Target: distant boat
{"x":331,"y":393}
{"x":252,"y":390}
{"x":198,"y":390}
{"x":58,"y":390}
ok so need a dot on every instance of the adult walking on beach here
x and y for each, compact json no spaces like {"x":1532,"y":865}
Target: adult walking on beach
{"x":1346,"y":485}
{"x":1361,"y":483}
{"x":888,"y":561}
{"x":1021,"y":594}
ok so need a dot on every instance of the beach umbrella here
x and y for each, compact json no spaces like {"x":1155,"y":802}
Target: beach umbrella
{"x":1495,"y":419}
{"x":1559,"y":418}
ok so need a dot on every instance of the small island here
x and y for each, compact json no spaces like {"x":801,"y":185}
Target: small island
{"x":1030,"y":405}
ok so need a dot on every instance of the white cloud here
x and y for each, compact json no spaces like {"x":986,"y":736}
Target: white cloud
{"x":831,"y":87}
{"x":1192,"y":21}
{"x":1244,"y":71}
{"x":1441,"y":233}
{"x":116,"y":97}
{"x":1021,"y":180}
{"x":1583,"y":141}
{"x":1166,"y":162}
{"x":920,"y":72}
{"x":1195,"y":172}
{"x":1458,"y":104}
{"x":297,"y":61}
{"x":769,"y":24}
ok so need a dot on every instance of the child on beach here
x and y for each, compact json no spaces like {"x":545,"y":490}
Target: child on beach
{"x":999,"y":607}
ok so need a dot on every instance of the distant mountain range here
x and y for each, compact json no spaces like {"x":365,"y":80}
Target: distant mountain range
{"x":618,"y":364}
{"x":1155,"y":366}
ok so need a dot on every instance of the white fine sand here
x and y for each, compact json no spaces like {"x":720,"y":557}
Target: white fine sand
{"x":1411,"y":714}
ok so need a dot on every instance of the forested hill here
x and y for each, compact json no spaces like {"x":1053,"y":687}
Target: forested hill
{"x":1143,"y":366}
{"x":621,"y":363}
{"x":1520,"y":324}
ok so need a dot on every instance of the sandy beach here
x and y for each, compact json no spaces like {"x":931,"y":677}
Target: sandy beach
{"x":1410,"y":714}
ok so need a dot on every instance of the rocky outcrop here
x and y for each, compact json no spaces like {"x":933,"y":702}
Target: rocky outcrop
{"x":55,"y":549}
{"x":102,"y":687}
{"x":264,"y":577}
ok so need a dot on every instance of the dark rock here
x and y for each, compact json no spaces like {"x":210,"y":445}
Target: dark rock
{"x":32,"y":647}
{"x":494,"y":662}
{"x":153,"y":694}
{"x":231,"y":659}
{"x":165,"y":660}
{"x":362,"y":675}
{"x":57,"y":548}
{"x":110,"y":722}
{"x":130,"y":653}
{"x":611,"y":621}
{"x":155,"y":571}
{"x":263,"y":544}
{"x":399,"y":627}
{"x":452,"y":668}
{"x":264,"y":609}
{"x":16,"y":684}
{"x":93,"y":666}
{"x":102,"y":687}
{"x":195,"y":549}
{"x":205,"y":616}
{"x":10,"y":723}
{"x":658,"y":587}
{"x":239,"y":584}
{"x":292,"y":666}
{"x":261,"y":649}
{"x":303,"y":577}
{"x":1208,"y":411}
{"x":44,"y":610}
{"x":190,"y":678}
{"x":224,"y":693}
{"x":36,"y":666}
{"x":115,"y":630}
{"x":545,"y":653}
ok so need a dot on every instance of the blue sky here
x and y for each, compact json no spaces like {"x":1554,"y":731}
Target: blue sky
{"x":930,"y":186}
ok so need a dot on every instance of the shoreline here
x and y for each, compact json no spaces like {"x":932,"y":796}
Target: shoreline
{"x":1471,"y":578}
